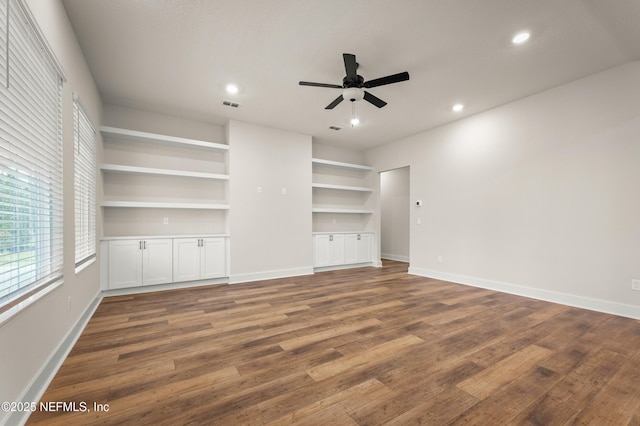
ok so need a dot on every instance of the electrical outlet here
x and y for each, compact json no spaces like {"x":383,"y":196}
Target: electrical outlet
{"x":440,"y":259}
{"x":165,"y":220}
{"x":68,"y":304}
{"x":635,"y":285}
{"x":284,"y":191}
{"x":259,"y":190}
{"x":419,"y":221}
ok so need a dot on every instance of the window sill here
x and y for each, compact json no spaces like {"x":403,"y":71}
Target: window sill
{"x":85,"y":265}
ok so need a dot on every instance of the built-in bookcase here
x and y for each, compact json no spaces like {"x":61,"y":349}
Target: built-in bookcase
{"x":341,"y":196}
{"x":163,"y":185}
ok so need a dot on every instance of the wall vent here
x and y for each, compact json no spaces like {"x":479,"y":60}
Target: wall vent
{"x":231,"y":104}
{"x":335,"y":127}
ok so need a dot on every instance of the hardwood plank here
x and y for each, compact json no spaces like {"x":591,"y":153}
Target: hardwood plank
{"x":487,"y":381}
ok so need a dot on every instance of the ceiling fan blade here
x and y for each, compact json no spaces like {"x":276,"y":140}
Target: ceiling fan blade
{"x":374,"y":99}
{"x":350,"y":66}
{"x":333,"y":104}
{"x":308,"y":83}
{"x":395,"y":78}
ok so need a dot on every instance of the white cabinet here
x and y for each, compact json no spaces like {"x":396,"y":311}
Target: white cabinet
{"x":334,"y":249}
{"x":328,"y":250}
{"x":357,"y":248}
{"x":198,"y":258}
{"x":134,"y":263}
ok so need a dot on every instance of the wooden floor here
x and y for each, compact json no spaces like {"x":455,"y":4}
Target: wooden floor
{"x":366,"y":346}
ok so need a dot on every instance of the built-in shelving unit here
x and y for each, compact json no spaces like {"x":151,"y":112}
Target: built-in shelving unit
{"x":161,"y":184}
{"x":341,"y":196}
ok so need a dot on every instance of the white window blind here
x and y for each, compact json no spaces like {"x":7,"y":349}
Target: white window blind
{"x":30,"y":159}
{"x":84,"y":137}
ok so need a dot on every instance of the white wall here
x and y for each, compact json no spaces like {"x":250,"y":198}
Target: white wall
{"x":31,"y":338}
{"x":394,"y":214}
{"x":538,"y":197}
{"x":270,"y":232}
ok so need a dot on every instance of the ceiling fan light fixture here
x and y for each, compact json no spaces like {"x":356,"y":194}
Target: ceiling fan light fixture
{"x":353,"y":94}
{"x":355,"y":121}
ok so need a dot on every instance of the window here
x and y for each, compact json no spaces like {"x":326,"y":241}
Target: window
{"x":30,"y":159}
{"x":84,"y":148}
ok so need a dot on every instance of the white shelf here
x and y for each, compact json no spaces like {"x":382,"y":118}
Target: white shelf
{"x":342,"y":232}
{"x":164,"y":139}
{"x":341,"y":210}
{"x":341,"y":187}
{"x":118,"y":168}
{"x":340,"y":164}
{"x":151,"y":205}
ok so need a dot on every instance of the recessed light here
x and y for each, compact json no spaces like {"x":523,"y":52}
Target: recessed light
{"x":457,"y":107}
{"x":232,"y":89}
{"x":521,"y":37}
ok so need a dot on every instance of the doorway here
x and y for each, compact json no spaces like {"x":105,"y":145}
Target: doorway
{"x":394,"y":211}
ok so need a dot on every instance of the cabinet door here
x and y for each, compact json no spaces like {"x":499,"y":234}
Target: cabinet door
{"x":125,"y":263}
{"x":157,"y":261}
{"x":212,"y":258}
{"x":321,"y":249}
{"x":364,"y":248}
{"x":336,"y":251}
{"x":351,"y":248}
{"x":186,"y":259}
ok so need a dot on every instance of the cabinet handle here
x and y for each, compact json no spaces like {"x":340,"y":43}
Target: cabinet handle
{"x":140,"y":245}
{"x":358,"y":237}
{"x":200,"y":242}
{"x":330,"y":237}
{"x":144,"y":246}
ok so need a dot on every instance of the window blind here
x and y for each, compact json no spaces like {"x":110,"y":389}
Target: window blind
{"x":31,"y":251}
{"x":84,"y":137}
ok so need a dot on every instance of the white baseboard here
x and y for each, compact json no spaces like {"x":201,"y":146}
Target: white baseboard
{"x":269,"y":275}
{"x":598,"y":305}
{"x":394,"y":257}
{"x":41,"y":381}
{"x":348,"y":266}
{"x":162,"y":287}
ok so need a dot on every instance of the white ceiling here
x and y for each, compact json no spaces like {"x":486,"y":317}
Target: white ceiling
{"x":176,"y":56}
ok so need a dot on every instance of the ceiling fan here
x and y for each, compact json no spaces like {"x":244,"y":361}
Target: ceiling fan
{"x":353,"y":84}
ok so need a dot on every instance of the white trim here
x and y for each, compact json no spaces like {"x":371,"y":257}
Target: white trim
{"x":269,"y":275}
{"x":340,"y":210}
{"x":156,"y":205}
{"x":343,"y":266}
{"x":163,"y":287}
{"x":598,"y":305}
{"x":41,"y":381}
{"x":397,"y":257}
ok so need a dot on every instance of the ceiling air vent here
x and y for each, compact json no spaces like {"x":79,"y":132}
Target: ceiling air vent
{"x":335,"y":127}
{"x":231,"y":104}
